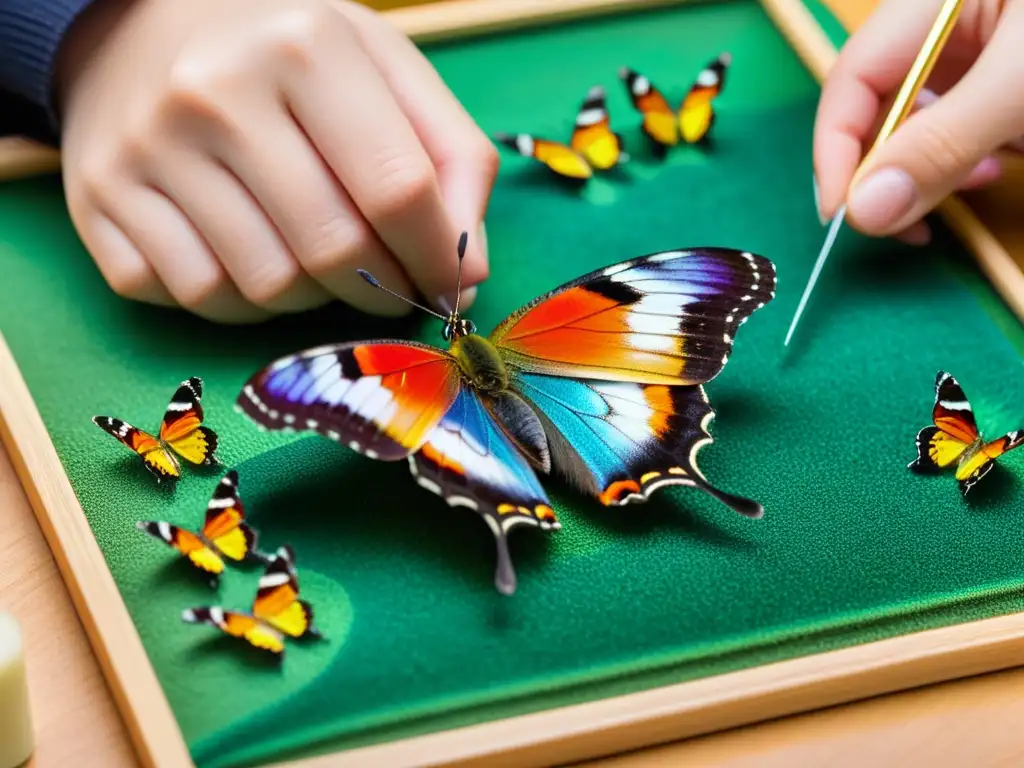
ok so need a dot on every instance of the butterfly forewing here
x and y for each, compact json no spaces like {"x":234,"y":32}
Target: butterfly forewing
{"x":667,"y":318}
{"x":379,"y":398}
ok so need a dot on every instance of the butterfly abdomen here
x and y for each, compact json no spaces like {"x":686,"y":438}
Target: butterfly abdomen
{"x":480,"y":362}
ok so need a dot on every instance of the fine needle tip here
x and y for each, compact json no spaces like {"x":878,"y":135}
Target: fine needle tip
{"x":826,"y":248}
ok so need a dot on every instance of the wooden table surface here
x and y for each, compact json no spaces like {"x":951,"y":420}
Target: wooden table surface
{"x":969,"y":722}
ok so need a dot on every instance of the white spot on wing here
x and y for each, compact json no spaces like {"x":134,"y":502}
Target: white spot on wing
{"x":524,"y":144}
{"x":590,"y":116}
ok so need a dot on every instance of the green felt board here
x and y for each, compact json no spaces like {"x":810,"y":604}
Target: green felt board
{"x":852,"y":547}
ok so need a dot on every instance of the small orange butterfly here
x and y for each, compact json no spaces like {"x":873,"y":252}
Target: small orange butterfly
{"x":181,"y":433}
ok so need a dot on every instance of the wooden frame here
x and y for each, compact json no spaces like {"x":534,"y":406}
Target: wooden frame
{"x":558,"y":735}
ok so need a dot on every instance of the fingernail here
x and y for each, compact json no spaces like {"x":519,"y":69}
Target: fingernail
{"x":925,"y":97}
{"x":482,"y":237}
{"x":817,"y":200}
{"x":447,"y":303}
{"x":985,"y":172}
{"x":918,"y":234}
{"x":882,"y":199}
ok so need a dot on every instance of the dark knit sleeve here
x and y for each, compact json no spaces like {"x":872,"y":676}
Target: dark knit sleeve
{"x":31,"y":32}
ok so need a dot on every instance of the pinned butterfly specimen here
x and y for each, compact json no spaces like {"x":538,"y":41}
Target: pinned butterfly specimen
{"x":593,"y":145}
{"x":599,"y":379}
{"x":955,"y":438}
{"x":224,"y":534}
{"x":276,"y":612}
{"x":181,"y":434}
{"x":695,"y":116}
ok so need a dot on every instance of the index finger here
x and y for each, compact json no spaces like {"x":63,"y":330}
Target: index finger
{"x":870,"y":67}
{"x":465,"y":158}
{"x":345,"y":106}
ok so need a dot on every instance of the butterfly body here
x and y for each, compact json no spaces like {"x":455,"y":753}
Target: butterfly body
{"x":181,"y":434}
{"x":224,"y":533}
{"x":593,"y":145}
{"x":954,"y":439}
{"x":598,"y":380}
{"x":277,"y":612}
{"x":694,"y":118}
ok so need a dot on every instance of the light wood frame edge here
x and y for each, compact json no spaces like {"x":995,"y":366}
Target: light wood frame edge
{"x":560,"y":735}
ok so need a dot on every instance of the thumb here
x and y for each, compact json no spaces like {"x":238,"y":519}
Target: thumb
{"x":934,"y":152}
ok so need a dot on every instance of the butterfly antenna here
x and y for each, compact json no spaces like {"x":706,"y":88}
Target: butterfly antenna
{"x":462,"y":254}
{"x":376,"y":284}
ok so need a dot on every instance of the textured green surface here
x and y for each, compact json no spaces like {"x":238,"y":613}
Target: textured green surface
{"x":852,"y":546}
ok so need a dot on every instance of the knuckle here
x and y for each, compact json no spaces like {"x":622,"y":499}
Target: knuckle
{"x":197,"y":90}
{"x":91,"y":185}
{"x":298,"y":33}
{"x":333,"y":245}
{"x":131,"y":280}
{"x":486,"y":158}
{"x":268,"y":283}
{"x":404,"y":184}
{"x":198,"y":292}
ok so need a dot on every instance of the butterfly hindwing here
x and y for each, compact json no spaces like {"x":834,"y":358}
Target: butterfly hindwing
{"x":469,"y":461}
{"x":697,"y":113}
{"x":379,"y":398}
{"x":621,"y":441}
{"x":666,"y":318}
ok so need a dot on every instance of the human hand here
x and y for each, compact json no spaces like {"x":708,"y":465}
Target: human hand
{"x":242,"y":158}
{"x":974,"y":106}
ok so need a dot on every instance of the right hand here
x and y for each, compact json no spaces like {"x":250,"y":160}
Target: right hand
{"x":241,"y":158}
{"x":973,"y":108}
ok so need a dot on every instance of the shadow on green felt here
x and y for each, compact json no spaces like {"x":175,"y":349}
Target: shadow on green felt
{"x":198,"y":661}
{"x":321,"y":496}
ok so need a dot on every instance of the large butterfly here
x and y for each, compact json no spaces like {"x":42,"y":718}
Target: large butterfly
{"x":695,"y":116}
{"x":276,"y":612}
{"x":600,"y":379}
{"x":224,"y":533}
{"x":593,"y":145}
{"x":181,"y":433}
{"x":955,"y":439}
